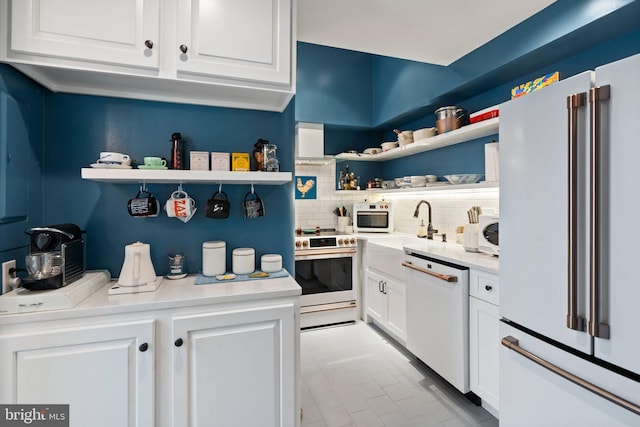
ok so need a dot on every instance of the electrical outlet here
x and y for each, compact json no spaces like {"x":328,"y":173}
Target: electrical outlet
{"x":6,"y":277}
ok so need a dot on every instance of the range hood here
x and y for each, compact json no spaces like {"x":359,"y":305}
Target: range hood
{"x":310,"y":144}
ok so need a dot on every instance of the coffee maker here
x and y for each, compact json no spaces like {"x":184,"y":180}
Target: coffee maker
{"x":56,"y":256}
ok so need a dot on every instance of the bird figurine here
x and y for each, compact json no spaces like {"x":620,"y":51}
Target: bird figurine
{"x":304,"y":188}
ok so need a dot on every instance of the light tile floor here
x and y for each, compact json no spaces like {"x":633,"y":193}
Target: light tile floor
{"x":355,"y":375}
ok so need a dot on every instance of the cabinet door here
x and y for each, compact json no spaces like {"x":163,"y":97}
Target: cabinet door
{"x":249,"y":39}
{"x":103,"y":31}
{"x":396,"y":308}
{"x":484,"y":350}
{"x":375,"y":300}
{"x":235,"y":368}
{"x":103,"y":372}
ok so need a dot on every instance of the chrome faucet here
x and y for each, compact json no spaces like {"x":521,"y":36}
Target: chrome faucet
{"x":430,"y":229}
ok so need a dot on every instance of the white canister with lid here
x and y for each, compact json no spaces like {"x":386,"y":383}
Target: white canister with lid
{"x":271,"y":263}
{"x":243,"y":260}
{"x":214,"y":258}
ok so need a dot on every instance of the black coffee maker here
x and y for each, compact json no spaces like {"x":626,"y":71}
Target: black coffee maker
{"x":64,"y":240}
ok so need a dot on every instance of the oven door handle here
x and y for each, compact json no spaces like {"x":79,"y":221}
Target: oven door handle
{"x":313,"y":252}
{"x":445,"y":277}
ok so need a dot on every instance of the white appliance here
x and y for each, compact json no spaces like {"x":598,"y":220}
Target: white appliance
{"x":373,"y":217}
{"x":137,"y":273}
{"x":488,"y":230}
{"x":326,"y":269}
{"x":570,"y":294}
{"x":438,"y":317}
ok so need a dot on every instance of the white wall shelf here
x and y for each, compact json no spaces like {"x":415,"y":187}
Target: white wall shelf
{"x":484,"y":185}
{"x":133,"y":176}
{"x":464,"y":134}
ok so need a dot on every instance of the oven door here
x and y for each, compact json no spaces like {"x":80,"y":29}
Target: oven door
{"x":325,"y":276}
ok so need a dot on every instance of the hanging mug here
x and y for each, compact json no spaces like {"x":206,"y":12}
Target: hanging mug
{"x":144,"y":205}
{"x":252,"y":208}
{"x":180,"y":206}
{"x":217,"y":207}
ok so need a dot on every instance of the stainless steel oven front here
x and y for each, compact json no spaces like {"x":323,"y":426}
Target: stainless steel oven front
{"x":326,"y":271}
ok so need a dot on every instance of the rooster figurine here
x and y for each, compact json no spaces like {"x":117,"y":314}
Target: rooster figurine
{"x":306,"y":187}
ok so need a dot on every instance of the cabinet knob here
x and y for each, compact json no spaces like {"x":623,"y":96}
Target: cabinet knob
{"x":149,"y":44}
{"x":143,"y":347}
{"x":178,"y":342}
{"x":488,"y":287}
{"x":183,"y":48}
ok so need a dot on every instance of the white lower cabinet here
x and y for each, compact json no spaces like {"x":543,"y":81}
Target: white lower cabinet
{"x":105,"y":372}
{"x":234,"y":368}
{"x":212,"y":365}
{"x":386,"y":304}
{"x":484,"y":337}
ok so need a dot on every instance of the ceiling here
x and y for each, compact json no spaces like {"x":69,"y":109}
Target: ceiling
{"x":431,"y":31}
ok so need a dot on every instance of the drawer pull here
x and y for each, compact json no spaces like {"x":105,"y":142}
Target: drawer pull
{"x":488,"y":287}
{"x":143,"y":347}
{"x":148,"y":44}
{"x":179,"y":342}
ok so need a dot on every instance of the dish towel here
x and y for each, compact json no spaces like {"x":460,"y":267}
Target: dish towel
{"x":207,"y":280}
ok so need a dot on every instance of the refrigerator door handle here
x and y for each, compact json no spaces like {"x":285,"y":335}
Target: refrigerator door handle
{"x":596,"y":329}
{"x":513,"y":344}
{"x":574,"y":102}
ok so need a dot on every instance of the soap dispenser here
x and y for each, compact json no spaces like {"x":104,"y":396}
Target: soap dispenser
{"x":422,"y":229}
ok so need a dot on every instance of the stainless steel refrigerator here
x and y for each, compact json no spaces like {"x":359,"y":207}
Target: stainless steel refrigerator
{"x":570,"y":251}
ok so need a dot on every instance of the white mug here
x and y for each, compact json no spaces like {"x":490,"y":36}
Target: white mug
{"x":114,"y":158}
{"x":180,"y":206}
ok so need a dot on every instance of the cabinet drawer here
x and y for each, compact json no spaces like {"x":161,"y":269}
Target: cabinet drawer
{"x":484,"y":286}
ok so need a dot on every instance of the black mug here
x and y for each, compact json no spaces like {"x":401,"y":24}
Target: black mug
{"x":218,"y":208}
{"x":253,"y":208}
{"x":144,"y":205}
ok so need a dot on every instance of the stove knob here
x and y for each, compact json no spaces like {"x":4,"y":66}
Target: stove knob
{"x":352,"y":241}
{"x":305,"y":244}
{"x":298,"y":244}
{"x":341,"y":241}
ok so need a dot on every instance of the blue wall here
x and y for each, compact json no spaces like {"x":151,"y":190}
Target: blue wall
{"x":29,"y":96}
{"x":78,"y":127}
{"x":333,"y":86}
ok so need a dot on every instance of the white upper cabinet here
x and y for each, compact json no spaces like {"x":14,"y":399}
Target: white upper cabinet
{"x":122,"y":32}
{"x":227,"y":53}
{"x":246,"y":39}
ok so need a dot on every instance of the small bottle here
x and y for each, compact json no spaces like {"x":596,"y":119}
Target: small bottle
{"x":341,"y":181}
{"x":422,"y":230}
{"x":178,"y":159}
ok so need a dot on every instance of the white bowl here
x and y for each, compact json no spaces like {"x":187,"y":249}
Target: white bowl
{"x":424,"y":133}
{"x":374,"y":150}
{"x":431,"y":178}
{"x":468,"y":178}
{"x":386,"y":146}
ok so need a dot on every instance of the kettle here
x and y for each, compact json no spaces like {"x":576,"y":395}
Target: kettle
{"x":137,"y":268}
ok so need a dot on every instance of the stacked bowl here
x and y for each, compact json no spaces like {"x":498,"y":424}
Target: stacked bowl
{"x":404,"y":137}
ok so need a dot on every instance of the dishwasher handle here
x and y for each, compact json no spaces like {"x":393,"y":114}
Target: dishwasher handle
{"x":445,"y":277}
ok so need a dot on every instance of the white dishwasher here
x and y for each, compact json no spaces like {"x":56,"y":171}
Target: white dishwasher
{"x":438,"y":317}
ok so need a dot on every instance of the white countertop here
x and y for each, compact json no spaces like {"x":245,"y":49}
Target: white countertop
{"x":170,"y":294}
{"x":449,"y":252}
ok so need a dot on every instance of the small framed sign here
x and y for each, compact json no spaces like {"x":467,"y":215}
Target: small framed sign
{"x":306,"y":187}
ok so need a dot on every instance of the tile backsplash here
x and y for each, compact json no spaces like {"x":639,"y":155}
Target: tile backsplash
{"x":449,"y":208}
